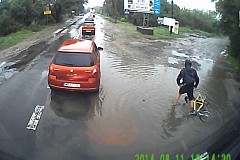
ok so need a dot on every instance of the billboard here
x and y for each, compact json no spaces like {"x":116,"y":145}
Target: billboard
{"x":143,"y":5}
{"x":137,"y":5}
{"x":156,"y":8}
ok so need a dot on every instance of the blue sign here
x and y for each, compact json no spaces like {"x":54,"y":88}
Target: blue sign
{"x":156,"y":8}
{"x":126,"y":11}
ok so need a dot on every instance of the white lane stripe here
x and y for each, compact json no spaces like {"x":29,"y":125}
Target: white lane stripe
{"x":2,"y":64}
{"x":64,"y":31}
{"x":35,"y":118}
{"x":57,"y":31}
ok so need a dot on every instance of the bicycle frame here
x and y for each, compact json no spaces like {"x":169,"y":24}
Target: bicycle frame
{"x":198,"y":101}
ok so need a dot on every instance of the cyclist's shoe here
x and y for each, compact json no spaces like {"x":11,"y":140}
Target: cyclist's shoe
{"x":186,"y":99}
{"x":192,"y":112}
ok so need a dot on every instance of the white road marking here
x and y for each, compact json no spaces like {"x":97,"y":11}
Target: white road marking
{"x":2,"y":64}
{"x":35,"y":118}
{"x":64,"y":31}
{"x":57,"y":31}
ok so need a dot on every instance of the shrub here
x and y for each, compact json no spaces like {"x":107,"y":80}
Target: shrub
{"x":35,"y":27}
{"x":123,"y":19}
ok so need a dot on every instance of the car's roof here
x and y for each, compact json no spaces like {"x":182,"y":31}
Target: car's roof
{"x":76,"y":45}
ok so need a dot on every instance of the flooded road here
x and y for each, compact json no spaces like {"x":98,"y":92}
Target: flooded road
{"x":133,"y":112}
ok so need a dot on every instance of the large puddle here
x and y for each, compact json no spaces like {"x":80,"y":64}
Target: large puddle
{"x":133,"y":112}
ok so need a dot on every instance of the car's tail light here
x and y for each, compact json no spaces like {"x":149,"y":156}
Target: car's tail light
{"x":51,"y":70}
{"x":94,"y":73}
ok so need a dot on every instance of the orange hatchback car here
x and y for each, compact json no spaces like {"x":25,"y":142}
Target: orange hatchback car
{"x":76,"y":66}
{"x":88,"y":28}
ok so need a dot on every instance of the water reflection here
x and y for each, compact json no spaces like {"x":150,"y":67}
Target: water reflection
{"x":76,"y":105}
{"x":171,"y":123}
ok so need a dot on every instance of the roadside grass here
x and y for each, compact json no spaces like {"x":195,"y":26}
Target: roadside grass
{"x":233,"y":61}
{"x":203,"y":33}
{"x":15,"y":38}
{"x":159,"y":32}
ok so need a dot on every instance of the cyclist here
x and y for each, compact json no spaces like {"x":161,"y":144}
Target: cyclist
{"x":187,"y":80}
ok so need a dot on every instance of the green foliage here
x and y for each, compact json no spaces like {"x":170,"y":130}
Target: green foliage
{"x":35,"y":27}
{"x":163,"y":32}
{"x":18,"y":14}
{"x":8,"y":25}
{"x":159,"y":32}
{"x":233,"y":61}
{"x":114,"y":8}
{"x":229,"y":11}
{"x":123,"y":19}
{"x":14,"y":38}
{"x":198,"y":20}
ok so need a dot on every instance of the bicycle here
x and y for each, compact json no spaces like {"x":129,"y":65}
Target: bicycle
{"x":199,"y":108}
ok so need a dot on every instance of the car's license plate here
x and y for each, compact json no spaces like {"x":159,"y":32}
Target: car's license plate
{"x":71,"y":85}
{"x":88,"y":31}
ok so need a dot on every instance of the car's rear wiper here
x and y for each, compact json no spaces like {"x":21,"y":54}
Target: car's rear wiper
{"x":67,"y":64}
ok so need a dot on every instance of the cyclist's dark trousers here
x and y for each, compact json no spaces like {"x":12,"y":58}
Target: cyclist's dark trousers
{"x":187,"y":89}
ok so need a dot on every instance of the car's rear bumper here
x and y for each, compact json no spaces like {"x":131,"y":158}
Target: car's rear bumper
{"x":91,"y":85}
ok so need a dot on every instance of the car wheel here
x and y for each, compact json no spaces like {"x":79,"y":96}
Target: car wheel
{"x":53,"y":90}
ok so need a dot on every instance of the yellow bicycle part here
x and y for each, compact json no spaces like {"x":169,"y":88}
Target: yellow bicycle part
{"x":198,"y":101}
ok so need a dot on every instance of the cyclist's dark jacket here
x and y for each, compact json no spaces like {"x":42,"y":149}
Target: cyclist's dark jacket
{"x":193,"y":74}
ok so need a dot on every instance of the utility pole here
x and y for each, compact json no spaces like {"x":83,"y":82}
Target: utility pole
{"x":171,"y":28}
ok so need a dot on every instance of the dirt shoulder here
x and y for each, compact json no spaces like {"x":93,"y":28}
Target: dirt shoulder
{"x":132,"y":44}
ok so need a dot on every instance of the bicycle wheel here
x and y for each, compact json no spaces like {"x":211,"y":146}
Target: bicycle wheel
{"x":198,"y":92}
{"x":206,"y":116}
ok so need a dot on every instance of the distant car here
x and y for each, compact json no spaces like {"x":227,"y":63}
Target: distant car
{"x":76,"y":66}
{"x":88,"y":28}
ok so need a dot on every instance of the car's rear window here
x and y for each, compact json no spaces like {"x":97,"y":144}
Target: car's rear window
{"x":73,"y":59}
{"x":89,"y":19}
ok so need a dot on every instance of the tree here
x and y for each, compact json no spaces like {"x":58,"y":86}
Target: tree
{"x":17,"y":14}
{"x":229,"y":16}
{"x":60,"y":7}
{"x":114,"y":8}
{"x":7,"y":23}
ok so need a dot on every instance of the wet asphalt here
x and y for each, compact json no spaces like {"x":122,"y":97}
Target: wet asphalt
{"x":133,"y":112}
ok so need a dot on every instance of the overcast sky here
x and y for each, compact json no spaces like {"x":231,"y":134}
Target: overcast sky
{"x":190,"y":4}
{"x":195,"y":4}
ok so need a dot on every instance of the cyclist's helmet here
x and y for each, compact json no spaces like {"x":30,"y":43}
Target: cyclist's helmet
{"x":188,"y":63}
